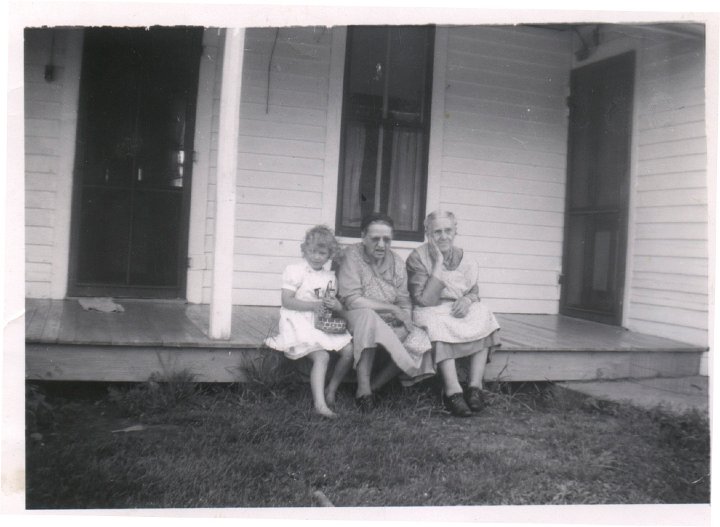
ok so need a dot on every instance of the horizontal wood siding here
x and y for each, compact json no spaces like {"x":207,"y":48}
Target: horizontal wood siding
{"x":503,"y":159}
{"x":668,"y":293}
{"x":43,"y":116}
{"x":281,"y":165}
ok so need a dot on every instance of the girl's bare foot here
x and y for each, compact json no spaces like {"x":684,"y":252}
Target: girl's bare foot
{"x":326,"y":412}
{"x":330,"y":396}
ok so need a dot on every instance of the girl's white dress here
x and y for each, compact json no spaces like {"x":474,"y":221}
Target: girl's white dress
{"x":297,"y":335}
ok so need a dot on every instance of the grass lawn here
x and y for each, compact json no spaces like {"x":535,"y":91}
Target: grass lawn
{"x":260,"y":446}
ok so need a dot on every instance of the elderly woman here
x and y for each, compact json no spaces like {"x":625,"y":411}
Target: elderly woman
{"x":372,"y":284}
{"x":443,"y":286}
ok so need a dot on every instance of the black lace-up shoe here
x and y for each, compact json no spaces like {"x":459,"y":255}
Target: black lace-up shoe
{"x":456,"y":404}
{"x":475,"y":399}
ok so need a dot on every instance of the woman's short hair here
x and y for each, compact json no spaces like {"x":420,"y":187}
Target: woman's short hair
{"x":436,"y":215}
{"x":323,"y":237}
{"x":376,"y":217}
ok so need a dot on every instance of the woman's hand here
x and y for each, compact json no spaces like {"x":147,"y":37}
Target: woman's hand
{"x":461,"y":307}
{"x":332,"y":303}
{"x":436,"y":255}
{"x":404,"y":317}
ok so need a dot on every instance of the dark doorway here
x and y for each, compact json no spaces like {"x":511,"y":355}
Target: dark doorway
{"x":134,"y":161}
{"x":597,"y":189}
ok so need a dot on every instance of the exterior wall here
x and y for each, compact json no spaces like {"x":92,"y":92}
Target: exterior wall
{"x":497,"y":161}
{"x":669,"y":288}
{"x":666,"y":291}
{"x":505,"y":99}
{"x":503,"y":158}
{"x":50,"y":125}
{"x":282,"y":157}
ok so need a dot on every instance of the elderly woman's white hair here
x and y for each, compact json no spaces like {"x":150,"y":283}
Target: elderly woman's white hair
{"x":438,"y":214}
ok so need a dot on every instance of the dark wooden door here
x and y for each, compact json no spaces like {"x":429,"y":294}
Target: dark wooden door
{"x":134,"y":161}
{"x":597,"y":189}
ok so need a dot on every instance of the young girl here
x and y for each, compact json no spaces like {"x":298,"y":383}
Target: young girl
{"x":298,"y":336}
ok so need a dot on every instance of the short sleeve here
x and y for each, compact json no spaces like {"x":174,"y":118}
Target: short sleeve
{"x":292,"y":277}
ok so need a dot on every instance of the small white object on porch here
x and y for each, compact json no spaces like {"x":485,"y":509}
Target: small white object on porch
{"x":221,"y":294}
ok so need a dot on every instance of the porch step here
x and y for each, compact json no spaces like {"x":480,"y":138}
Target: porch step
{"x":79,"y":362}
{"x":64,"y":342}
{"x":674,"y":394}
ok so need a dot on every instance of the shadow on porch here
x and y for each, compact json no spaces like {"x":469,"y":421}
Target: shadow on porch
{"x":65,"y":342}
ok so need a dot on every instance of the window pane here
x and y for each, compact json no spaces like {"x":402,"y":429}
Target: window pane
{"x":359,"y":171}
{"x":406,"y":177}
{"x":406,"y":73}
{"x":590,"y":274}
{"x":367,"y":70}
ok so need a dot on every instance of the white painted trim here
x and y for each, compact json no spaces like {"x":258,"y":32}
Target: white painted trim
{"x":333,"y":126}
{"x":396,"y":244}
{"x":437,"y":120}
{"x":708,"y":360}
{"x":202,"y":146}
{"x":632,"y":189}
{"x":66,"y":161}
{"x":223,"y":251}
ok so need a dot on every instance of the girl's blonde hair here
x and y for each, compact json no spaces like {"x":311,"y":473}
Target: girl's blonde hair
{"x":323,"y":237}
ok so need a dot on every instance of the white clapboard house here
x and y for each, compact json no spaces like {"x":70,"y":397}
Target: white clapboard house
{"x":176,"y":170}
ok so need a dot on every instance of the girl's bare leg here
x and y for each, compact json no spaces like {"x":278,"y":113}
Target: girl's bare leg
{"x":449,"y":377}
{"x":320,"y":360}
{"x":477,"y":368}
{"x":364,"y":367}
{"x":342,"y":367}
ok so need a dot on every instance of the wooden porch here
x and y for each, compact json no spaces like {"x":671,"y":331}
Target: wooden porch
{"x":65,"y":342}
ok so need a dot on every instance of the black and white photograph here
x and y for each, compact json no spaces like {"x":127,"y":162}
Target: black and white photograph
{"x":365,"y":263}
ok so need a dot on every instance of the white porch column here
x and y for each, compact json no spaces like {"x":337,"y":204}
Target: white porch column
{"x":221,"y":294}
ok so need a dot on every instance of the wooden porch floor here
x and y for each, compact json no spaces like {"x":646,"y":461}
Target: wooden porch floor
{"x":63,"y":341}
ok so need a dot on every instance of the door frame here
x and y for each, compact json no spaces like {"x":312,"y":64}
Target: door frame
{"x":629,"y":57}
{"x":157,"y":292}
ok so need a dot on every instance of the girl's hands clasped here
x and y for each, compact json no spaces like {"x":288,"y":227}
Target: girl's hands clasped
{"x":332,"y":303}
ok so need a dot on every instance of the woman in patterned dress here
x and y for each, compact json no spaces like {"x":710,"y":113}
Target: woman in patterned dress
{"x":372,"y":284}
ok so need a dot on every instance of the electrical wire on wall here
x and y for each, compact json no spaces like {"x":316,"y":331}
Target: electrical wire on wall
{"x":49,"y":73}
{"x":272,"y":53}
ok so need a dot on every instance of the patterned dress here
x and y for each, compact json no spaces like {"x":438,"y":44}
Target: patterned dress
{"x":386,"y":281}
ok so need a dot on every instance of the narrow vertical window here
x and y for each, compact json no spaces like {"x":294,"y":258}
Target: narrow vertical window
{"x":385,"y":127}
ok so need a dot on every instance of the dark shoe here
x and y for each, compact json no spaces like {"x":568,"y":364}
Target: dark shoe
{"x":456,"y":404}
{"x":366,"y":403}
{"x":475,"y":399}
